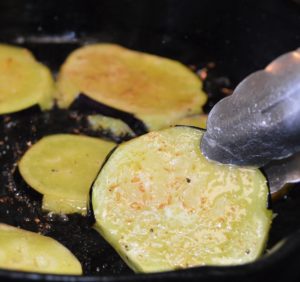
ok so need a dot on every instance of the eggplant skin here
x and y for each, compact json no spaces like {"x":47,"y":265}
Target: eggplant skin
{"x":24,"y":81}
{"x":28,"y":251}
{"x":85,"y":104}
{"x":194,"y":120}
{"x":172,"y":208}
{"x":153,"y":89}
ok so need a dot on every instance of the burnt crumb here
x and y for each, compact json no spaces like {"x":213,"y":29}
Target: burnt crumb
{"x":6,"y":119}
{"x":226,"y":91}
{"x":29,"y":143}
{"x":6,"y":200}
{"x":188,"y":180}
{"x":37,"y":220}
{"x":211,"y":65}
{"x":76,"y":131}
{"x":33,"y":128}
{"x":151,"y":230}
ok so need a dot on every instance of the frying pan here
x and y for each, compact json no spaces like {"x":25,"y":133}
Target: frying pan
{"x":236,"y":37}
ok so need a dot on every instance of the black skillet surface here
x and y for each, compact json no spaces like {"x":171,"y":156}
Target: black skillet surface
{"x":238,"y":36}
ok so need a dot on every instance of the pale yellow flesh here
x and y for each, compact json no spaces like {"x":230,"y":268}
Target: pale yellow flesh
{"x":115,"y":126}
{"x":155,"y":89}
{"x":62,"y":167}
{"x":172,"y":208}
{"x":27,"y":251}
{"x":195,"y":120}
{"x":23,"y":82}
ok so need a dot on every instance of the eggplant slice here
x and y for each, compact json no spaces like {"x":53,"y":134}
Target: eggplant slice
{"x":28,"y":251}
{"x":172,"y":208}
{"x":155,"y":90}
{"x":24,"y":82}
{"x":62,"y":167}
{"x":112,"y":126}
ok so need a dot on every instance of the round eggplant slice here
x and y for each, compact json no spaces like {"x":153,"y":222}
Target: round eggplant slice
{"x":27,"y":251}
{"x":62,"y":167}
{"x":195,"y":120}
{"x":24,"y":82}
{"x":156,"y":90}
{"x":162,"y":205}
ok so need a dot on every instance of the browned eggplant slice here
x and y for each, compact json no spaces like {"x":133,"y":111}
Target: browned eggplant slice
{"x":24,"y":82}
{"x":62,"y":167}
{"x":162,"y":205}
{"x":27,"y":251}
{"x":155,"y":90}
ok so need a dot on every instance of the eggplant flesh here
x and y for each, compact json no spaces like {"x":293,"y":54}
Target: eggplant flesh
{"x":28,"y":251}
{"x":172,"y":208}
{"x":62,"y":168}
{"x":113,"y":126}
{"x":155,"y":90}
{"x":24,"y":82}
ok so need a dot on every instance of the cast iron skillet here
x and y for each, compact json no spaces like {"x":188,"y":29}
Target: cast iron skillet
{"x":232,"y":38}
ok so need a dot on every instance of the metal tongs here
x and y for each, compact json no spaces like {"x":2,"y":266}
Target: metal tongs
{"x":259,"y":124}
